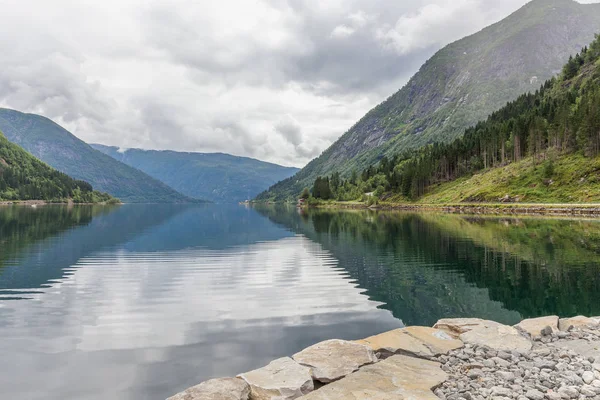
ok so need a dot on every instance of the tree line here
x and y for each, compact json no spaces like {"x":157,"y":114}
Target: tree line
{"x":23,"y":177}
{"x":562,"y":116}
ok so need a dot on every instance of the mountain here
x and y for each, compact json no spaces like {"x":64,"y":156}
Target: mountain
{"x":221,"y":178}
{"x":60,"y":149}
{"x":544,"y":147}
{"x":459,"y":86}
{"x":24,"y":177}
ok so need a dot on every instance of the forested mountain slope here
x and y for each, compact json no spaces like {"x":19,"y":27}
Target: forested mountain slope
{"x":542,"y":147}
{"x":24,"y":177}
{"x":221,"y":178}
{"x":459,"y":86}
{"x":60,"y":149}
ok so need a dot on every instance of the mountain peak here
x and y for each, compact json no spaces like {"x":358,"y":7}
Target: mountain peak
{"x":460,"y":85}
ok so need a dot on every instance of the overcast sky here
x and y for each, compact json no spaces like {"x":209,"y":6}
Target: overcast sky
{"x":274,"y":80}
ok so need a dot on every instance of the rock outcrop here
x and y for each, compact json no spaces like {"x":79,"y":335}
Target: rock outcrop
{"x":398,"y":377}
{"x":216,"y":389}
{"x":538,"y":327}
{"x":565,"y":324}
{"x":481,"y":332}
{"x":282,"y":379}
{"x":466,"y":358}
{"x":416,"y":341}
{"x":334,"y":359}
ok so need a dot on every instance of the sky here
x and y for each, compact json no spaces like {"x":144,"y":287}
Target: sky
{"x":274,"y":80}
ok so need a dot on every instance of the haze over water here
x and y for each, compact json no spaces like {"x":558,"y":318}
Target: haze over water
{"x":140,"y":302}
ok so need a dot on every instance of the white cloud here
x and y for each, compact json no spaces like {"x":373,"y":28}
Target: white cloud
{"x":439,"y":22}
{"x":342,"y":31}
{"x":220,"y":76}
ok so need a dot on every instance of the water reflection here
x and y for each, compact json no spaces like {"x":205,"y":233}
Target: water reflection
{"x":147,"y":301}
{"x":140,"y":302}
{"x":430,"y":266}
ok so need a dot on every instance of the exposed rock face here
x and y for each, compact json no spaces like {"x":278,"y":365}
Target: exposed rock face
{"x":333,"y":359}
{"x":417,"y":341}
{"x":216,"y":389}
{"x":398,"y":377}
{"x":486,"y":333}
{"x":535,"y":326}
{"x":461,"y":85}
{"x":565,"y":324}
{"x":282,"y":379}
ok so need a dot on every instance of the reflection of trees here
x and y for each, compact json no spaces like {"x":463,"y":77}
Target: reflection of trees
{"x":427,"y":266}
{"x":21,"y":226}
{"x":37,"y":244}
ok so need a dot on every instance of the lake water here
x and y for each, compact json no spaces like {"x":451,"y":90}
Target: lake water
{"x":140,"y":302}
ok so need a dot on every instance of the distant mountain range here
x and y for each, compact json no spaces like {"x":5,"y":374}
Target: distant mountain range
{"x":60,"y":149}
{"x":142,"y":176}
{"x":218,"y":177}
{"x":460,"y":85}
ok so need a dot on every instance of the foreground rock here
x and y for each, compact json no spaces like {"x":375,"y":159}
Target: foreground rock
{"x":398,"y":377}
{"x":561,"y":365}
{"x":416,"y":341}
{"x":538,"y":327}
{"x":216,"y":389}
{"x":481,"y":332}
{"x":333,"y":359}
{"x":584,"y":347}
{"x":282,"y":379}
{"x":577,"y":322}
{"x":459,"y":359}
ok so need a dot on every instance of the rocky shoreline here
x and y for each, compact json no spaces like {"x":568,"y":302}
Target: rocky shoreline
{"x":457,"y":359}
{"x":558,"y":210}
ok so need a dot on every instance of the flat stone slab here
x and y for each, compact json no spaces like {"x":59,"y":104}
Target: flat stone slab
{"x":577,"y":322}
{"x":534,"y":326}
{"x":457,"y":326}
{"x":282,"y":379}
{"x":481,"y":332}
{"x":582,"y":347}
{"x":437,"y":341}
{"x":216,"y":389}
{"x":398,"y":377}
{"x":334,"y":359}
{"x":417,"y":341}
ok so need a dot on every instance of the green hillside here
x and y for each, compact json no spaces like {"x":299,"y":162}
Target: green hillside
{"x":221,"y":178}
{"x":23,"y":177}
{"x":460,"y":85}
{"x":60,"y":149}
{"x":543,"y":147}
{"x":574,"y":179}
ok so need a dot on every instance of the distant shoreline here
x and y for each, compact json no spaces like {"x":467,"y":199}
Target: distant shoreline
{"x":588,"y":210}
{"x":35,"y":203}
{"x":532,"y":209}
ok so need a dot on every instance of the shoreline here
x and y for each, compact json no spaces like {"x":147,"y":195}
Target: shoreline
{"x":35,"y":203}
{"x":463,"y":358}
{"x":530,"y":209}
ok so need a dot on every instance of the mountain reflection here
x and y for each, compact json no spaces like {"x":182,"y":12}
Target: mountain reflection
{"x":429,"y":266}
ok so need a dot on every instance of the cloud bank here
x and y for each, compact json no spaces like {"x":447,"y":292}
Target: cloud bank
{"x":274,"y":80}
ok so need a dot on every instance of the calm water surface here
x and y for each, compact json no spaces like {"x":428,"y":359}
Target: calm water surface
{"x":140,"y":302}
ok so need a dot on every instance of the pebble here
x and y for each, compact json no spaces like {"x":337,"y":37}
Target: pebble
{"x":534,"y":394}
{"x":588,"y":377}
{"x":480,"y":373}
